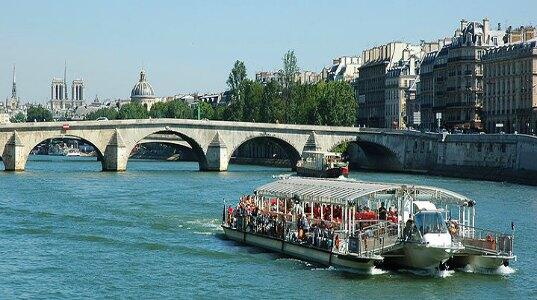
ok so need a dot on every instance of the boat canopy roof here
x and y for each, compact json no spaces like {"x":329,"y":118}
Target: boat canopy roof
{"x":345,"y":192}
{"x":321,"y":152}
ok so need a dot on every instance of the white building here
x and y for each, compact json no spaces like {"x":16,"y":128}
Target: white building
{"x":345,"y":68}
{"x":143,"y":92}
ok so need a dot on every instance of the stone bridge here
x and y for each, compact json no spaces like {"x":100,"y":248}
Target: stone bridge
{"x":496,"y":157}
{"x":213,"y":142}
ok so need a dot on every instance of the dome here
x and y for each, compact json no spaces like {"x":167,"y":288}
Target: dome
{"x":142,"y":89}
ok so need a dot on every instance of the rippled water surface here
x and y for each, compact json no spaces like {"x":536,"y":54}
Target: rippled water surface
{"x":68,"y":230}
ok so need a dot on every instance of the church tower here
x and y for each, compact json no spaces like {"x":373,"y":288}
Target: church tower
{"x":13,"y":102}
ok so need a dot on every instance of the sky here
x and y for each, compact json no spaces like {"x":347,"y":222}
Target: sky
{"x":190,"y":46}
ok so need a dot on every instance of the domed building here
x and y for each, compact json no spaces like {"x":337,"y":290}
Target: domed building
{"x":143,"y":92}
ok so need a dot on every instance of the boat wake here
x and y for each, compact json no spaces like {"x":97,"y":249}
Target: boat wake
{"x":501,"y":270}
{"x":295,"y":260}
{"x":429,"y":273}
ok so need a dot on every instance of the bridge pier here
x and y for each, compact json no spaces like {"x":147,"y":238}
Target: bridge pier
{"x":217,"y":156}
{"x":14,"y":155}
{"x":116,"y":154}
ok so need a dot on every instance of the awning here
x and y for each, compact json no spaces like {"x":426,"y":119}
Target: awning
{"x":343,"y":191}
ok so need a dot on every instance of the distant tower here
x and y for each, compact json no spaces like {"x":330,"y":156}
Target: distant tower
{"x":13,"y":102}
{"x":77,"y":92}
{"x":14,"y":87}
{"x":57,"y":92}
{"x":65,"y":97}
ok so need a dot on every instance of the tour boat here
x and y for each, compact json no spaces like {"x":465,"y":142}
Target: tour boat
{"x":55,"y":149}
{"x":322,"y":164}
{"x":359,"y":225}
{"x":72,"y":152}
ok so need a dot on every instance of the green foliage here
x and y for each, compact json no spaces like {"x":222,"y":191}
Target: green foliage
{"x":159,"y":110}
{"x":107,"y":112}
{"x":38,"y":114}
{"x":178,"y":109}
{"x":206,"y":111}
{"x":237,"y":75}
{"x":253,"y":92}
{"x":133,"y":110}
{"x":290,"y":68}
{"x":341,"y":148}
{"x":18,"y":118}
{"x":337,"y":104}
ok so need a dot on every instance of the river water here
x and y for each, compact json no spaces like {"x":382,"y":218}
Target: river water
{"x":68,"y":230}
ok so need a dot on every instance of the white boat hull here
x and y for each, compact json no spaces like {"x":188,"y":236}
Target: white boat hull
{"x":481,"y":262}
{"x":419,"y":256}
{"x":320,"y":256}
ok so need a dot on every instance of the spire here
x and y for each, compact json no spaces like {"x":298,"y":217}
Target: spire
{"x":65,"y":79}
{"x":14,"y":88}
{"x":142,"y":75}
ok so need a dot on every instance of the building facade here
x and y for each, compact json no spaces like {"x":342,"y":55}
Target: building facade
{"x":345,"y":68}
{"x":459,"y":80}
{"x":399,"y":87}
{"x":304,"y":77}
{"x":510,"y":96}
{"x":370,"y":86}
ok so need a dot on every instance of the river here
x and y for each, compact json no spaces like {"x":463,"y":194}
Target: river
{"x":68,"y":230}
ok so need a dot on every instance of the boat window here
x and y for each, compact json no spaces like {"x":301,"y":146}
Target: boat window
{"x":430,"y":222}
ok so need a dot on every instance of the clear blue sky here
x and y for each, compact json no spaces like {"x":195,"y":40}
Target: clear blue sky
{"x":189,"y":46}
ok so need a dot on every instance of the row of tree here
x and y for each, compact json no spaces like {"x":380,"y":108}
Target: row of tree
{"x":283,"y":101}
{"x":287,"y":101}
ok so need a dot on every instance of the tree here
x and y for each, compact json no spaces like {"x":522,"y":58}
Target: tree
{"x":159,"y":110}
{"x":206,"y":111}
{"x":289,"y":73}
{"x":290,"y":69}
{"x":133,"y":110}
{"x":253,"y":93}
{"x":218,"y":113}
{"x":18,"y":118}
{"x":178,"y":109}
{"x":38,"y":114}
{"x":272,"y":108}
{"x":236,"y":76}
{"x":337,"y":104}
{"x":106,"y":112}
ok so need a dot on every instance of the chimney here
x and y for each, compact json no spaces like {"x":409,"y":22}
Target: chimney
{"x":486,"y":30}
{"x":463,"y":24}
{"x":412,"y":65}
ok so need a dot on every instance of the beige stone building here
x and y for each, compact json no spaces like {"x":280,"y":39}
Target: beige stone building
{"x":399,"y":80}
{"x":458,"y":81}
{"x":510,"y":99}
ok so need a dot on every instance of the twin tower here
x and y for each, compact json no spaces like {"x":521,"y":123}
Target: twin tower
{"x":59,"y":98}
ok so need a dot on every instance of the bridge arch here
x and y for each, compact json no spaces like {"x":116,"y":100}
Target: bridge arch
{"x":370,"y":155}
{"x":31,"y":143}
{"x":184,"y":150}
{"x":288,"y":150}
{"x":196,"y":147}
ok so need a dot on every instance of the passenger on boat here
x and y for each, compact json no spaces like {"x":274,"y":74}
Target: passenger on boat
{"x":453,"y":228}
{"x":382,"y":212}
{"x":392,"y":215}
{"x":409,"y":227}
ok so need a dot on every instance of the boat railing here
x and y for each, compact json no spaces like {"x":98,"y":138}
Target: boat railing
{"x":374,"y":240}
{"x":484,"y":240}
